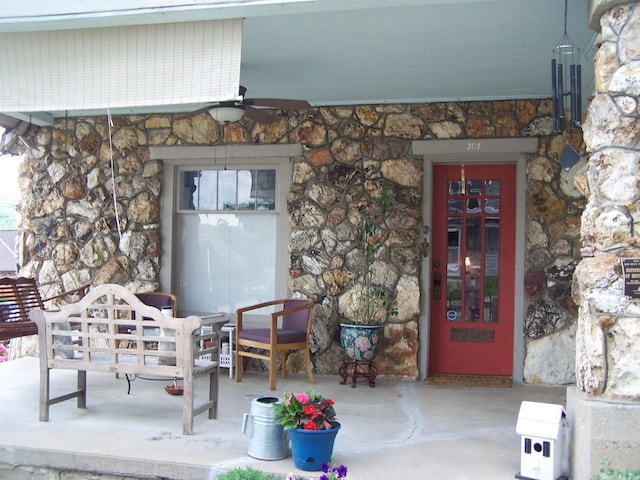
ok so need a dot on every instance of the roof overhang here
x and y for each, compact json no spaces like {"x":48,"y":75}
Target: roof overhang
{"x":128,"y":69}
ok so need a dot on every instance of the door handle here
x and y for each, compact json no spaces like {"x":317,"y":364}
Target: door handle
{"x":437,"y":286}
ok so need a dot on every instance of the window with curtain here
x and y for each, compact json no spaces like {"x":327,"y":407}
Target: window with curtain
{"x":228,"y":237}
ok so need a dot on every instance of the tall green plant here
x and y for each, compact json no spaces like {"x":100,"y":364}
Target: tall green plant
{"x":374,"y":303}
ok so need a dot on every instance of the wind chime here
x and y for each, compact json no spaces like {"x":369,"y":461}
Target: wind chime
{"x":563,"y":54}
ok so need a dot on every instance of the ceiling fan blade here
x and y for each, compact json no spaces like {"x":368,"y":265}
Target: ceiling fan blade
{"x":196,"y":112}
{"x":278,"y":103}
{"x":258,"y":116}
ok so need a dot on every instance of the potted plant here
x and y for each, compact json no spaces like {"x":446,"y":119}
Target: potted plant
{"x":310,"y":420}
{"x":367,"y":304}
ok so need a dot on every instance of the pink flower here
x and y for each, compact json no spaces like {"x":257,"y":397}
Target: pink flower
{"x":303,"y":398}
{"x":4,"y":352}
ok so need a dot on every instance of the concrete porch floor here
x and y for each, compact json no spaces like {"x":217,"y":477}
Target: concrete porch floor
{"x":397,"y":430}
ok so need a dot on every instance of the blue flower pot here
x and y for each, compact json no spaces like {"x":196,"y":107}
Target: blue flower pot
{"x":311,"y":448}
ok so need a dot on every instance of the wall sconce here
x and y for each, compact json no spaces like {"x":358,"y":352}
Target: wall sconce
{"x":226,"y":114}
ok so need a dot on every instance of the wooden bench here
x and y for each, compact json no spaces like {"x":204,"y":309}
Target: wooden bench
{"x":86,"y":336}
{"x":17,"y":297}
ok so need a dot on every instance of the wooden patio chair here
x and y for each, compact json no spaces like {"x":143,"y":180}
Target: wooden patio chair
{"x":293,"y":333}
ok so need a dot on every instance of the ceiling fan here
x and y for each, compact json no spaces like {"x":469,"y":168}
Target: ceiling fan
{"x":234,"y":110}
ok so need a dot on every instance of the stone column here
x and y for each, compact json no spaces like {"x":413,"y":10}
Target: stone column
{"x":604,"y":407}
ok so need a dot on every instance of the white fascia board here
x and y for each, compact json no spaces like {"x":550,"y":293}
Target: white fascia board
{"x":42,"y":15}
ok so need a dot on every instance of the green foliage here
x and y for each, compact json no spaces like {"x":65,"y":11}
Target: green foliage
{"x":374,"y":302}
{"x":607,"y":472}
{"x":247,"y":473}
{"x":309,"y":411}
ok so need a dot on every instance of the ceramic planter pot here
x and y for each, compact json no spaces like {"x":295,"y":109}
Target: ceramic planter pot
{"x":360,"y":342}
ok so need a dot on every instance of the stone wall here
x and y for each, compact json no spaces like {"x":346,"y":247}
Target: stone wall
{"x":71,"y":232}
{"x":608,"y":352}
{"x":555,"y":203}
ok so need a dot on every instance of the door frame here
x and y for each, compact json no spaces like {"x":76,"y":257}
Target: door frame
{"x":490,"y":150}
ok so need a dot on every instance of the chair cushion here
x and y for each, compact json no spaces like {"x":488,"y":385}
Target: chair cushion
{"x":296,"y":320}
{"x":155,"y":300}
{"x":283,"y":335}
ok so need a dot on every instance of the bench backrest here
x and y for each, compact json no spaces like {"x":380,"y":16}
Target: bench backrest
{"x":89,"y":332}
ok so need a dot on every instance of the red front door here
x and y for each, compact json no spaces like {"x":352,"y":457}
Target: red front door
{"x":473,"y":269}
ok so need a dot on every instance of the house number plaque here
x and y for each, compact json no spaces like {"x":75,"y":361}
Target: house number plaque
{"x":631,"y":274}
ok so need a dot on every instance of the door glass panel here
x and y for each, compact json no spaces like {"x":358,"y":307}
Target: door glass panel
{"x":491,"y":268}
{"x":473,"y":264}
{"x":455,"y":187}
{"x":492,"y":205}
{"x":473,"y":205}
{"x":492,"y":187}
{"x":454,"y":270}
{"x":472,"y":251}
{"x":455,"y":205}
{"x":474,"y":187}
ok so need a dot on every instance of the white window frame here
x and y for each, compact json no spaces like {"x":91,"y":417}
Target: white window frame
{"x":280,"y":157}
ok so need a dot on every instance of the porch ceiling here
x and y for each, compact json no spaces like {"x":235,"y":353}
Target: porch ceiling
{"x":332,"y":52}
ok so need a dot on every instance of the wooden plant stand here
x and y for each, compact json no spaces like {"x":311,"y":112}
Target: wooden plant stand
{"x":358,"y":369}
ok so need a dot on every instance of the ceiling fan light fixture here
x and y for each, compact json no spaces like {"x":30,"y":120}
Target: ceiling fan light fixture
{"x":226,"y":114}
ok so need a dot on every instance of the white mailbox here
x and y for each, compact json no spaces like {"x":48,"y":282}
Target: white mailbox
{"x":543,"y":428}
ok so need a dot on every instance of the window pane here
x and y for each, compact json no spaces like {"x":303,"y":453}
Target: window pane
{"x":208,"y":190}
{"x":228,"y":260}
{"x":265,"y":190}
{"x":224,"y":190}
{"x":246,"y":199}
{"x":227,"y":189}
{"x":187,"y":190}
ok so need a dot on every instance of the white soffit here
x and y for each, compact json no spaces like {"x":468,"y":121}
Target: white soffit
{"x":120,"y":67}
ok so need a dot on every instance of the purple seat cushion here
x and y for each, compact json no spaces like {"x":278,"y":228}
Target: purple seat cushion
{"x":283,"y":335}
